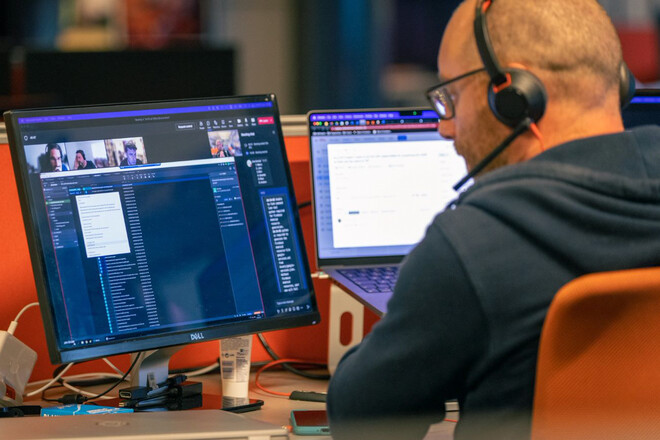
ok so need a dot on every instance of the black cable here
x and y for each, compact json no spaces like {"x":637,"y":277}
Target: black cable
{"x":87,"y":399}
{"x":287,"y":366}
{"x":79,"y":398}
{"x":49,"y":399}
{"x":518,"y":130}
{"x":59,"y":369}
{"x":56,"y":373}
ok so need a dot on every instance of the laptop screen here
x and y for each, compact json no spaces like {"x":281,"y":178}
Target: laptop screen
{"x":379,"y":178}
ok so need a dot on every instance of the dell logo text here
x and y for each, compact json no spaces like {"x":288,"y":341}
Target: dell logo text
{"x":196,"y":336}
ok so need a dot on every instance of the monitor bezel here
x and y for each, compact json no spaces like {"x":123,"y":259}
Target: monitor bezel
{"x":157,"y":341}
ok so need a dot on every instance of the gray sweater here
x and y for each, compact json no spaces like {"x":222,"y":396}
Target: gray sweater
{"x":466,"y":315}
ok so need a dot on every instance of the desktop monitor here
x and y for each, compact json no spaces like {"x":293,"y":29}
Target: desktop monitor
{"x":644,"y":108}
{"x":154,"y":225}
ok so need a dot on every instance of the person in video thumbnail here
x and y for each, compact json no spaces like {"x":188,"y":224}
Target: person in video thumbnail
{"x":82,"y":163}
{"x":54,"y":153}
{"x":222,"y":149}
{"x":131,"y":155}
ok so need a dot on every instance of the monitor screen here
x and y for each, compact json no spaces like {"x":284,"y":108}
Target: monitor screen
{"x":644,"y":109}
{"x":159,"y":224}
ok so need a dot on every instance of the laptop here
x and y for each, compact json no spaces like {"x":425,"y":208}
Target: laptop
{"x":379,"y":177}
{"x":172,"y":425}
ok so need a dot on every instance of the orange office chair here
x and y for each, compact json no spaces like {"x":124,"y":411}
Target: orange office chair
{"x":598,"y":372}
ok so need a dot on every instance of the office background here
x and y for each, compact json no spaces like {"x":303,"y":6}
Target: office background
{"x":312,"y":53}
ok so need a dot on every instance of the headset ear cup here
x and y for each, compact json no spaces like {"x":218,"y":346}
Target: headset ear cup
{"x":626,"y":85}
{"x":524,"y":97}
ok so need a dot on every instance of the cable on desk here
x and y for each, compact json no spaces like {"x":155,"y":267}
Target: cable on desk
{"x":116,"y":383}
{"x":196,"y":371}
{"x":76,"y":380}
{"x":80,"y":398}
{"x":282,"y":362}
{"x":204,"y":370}
{"x":78,"y":391}
{"x":89,"y":379}
{"x":111,"y":365}
{"x":290,"y":368}
{"x":62,"y":369}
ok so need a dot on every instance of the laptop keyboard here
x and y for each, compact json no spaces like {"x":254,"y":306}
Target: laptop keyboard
{"x":373,"y":279}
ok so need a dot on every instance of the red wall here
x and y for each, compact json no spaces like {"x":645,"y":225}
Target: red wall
{"x":17,"y":286}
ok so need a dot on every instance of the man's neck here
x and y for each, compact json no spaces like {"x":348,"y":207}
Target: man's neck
{"x":560,"y":130}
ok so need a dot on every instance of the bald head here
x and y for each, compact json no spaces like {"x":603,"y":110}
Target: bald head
{"x":570,"y":45}
{"x":567,"y":43}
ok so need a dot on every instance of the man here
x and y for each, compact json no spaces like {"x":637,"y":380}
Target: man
{"x":579,"y":196}
{"x":54,"y":154}
{"x":131,"y":155}
{"x":216,"y":148}
{"x":227,"y":149}
{"x":81,"y":161}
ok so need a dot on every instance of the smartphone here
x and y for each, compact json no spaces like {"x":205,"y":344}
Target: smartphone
{"x":309,"y":422}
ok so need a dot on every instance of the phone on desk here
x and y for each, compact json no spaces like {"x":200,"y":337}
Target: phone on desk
{"x":309,"y":422}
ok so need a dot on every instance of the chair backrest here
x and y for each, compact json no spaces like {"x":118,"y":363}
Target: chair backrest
{"x":598,"y":372}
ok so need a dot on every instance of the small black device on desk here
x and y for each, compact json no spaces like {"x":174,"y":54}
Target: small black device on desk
{"x":20,"y":411}
{"x":174,"y":394}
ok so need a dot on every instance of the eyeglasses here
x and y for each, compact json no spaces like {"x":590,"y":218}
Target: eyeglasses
{"x":440,"y":98}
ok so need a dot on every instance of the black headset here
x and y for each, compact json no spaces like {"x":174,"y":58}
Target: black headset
{"x":515,"y":94}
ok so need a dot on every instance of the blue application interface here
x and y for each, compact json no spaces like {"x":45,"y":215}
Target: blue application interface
{"x":163,"y":219}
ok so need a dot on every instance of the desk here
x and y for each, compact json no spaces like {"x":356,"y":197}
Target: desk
{"x":276,"y":409}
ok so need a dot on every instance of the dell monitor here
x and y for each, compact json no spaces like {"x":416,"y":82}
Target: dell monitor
{"x":153,"y":225}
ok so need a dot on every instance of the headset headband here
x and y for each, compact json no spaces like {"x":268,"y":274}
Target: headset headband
{"x":484,"y":45}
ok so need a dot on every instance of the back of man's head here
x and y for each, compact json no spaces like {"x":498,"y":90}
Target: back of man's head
{"x":571,"y":45}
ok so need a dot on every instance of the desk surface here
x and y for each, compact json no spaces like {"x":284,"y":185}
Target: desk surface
{"x":276,"y":409}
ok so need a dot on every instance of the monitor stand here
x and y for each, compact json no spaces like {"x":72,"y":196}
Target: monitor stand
{"x":153,"y":367}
